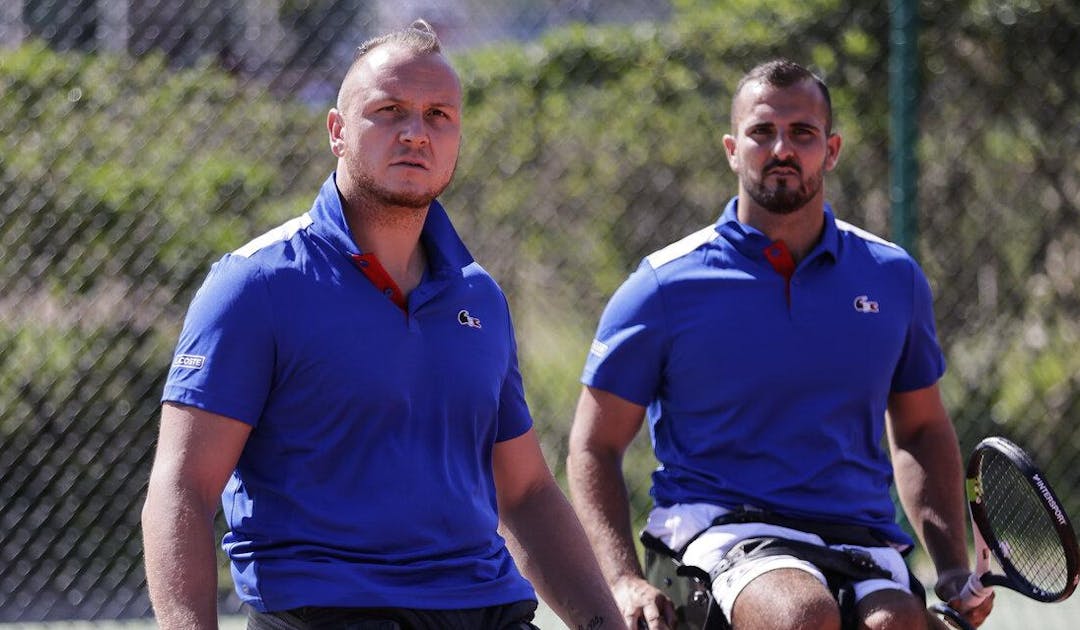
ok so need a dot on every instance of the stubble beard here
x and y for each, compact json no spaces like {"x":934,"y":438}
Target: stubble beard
{"x":381,"y":195}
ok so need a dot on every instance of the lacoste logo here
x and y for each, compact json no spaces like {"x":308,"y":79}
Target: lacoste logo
{"x":465,"y":319}
{"x":190,"y":361}
{"x":864,"y":304}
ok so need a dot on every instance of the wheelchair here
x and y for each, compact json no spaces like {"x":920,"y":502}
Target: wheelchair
{"x":690,"y":587}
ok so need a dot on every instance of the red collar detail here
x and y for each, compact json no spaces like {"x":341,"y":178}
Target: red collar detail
{"x":373,"y":270}
{"x":780,"y":258}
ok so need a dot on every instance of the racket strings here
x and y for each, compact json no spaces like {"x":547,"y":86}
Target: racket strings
{"x":1024,"y":530}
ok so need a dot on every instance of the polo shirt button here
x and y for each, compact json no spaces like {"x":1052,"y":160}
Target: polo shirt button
{"x":388,"y":291}
{"x":362,"y":263}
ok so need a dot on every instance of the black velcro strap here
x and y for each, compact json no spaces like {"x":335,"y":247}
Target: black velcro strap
{"x":653,"y":543}
{"x":831,"y":533}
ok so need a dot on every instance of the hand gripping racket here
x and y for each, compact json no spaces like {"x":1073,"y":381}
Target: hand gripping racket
{"x":1020,"y":521}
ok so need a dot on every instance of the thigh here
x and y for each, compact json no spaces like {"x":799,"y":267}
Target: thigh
{"x":785,"y":598}
{"x":891,"y":609}
{"x":710,"y":552}
{"x":728,"y":586}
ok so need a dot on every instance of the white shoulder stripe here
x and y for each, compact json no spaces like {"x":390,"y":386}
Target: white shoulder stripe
{"x":844,"y":226}
{"x":282,"y":232}
{"x":681,"y":247}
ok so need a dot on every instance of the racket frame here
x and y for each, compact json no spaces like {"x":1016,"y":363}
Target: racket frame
{"x":986,"y":541}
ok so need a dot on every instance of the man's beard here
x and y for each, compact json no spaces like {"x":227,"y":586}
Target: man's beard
{"x":783,"y":199}
{"x":417,"y":200}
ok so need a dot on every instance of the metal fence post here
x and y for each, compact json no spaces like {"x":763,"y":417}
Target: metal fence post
{"x":903,"y":107}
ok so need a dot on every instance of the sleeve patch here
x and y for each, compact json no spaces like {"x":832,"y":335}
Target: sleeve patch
{"x":598,"y":348}
{"x":189,"y":361}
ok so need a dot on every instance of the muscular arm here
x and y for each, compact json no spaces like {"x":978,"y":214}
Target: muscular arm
{"x":929,"y":474}
{"x":929,"y":479}
{"x":604,"y":426}
{"x":196,"y":453}
{"x":546,"y":538}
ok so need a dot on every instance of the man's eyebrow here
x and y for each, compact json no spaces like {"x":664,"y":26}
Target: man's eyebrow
{"x":390,"y":98}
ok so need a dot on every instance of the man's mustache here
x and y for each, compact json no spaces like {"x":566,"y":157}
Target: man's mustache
{"x":782,"y":164}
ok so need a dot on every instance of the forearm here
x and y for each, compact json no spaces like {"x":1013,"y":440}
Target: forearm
{"x":551,"y":550}
{"x":929,"y":480}
{"x":599,"y":494}
{"x":181,"y":564}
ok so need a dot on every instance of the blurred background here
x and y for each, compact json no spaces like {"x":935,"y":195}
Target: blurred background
{"x":141,"y":139}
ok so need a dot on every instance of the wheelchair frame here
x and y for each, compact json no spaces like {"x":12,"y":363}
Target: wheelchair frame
{"x":690,"y":587}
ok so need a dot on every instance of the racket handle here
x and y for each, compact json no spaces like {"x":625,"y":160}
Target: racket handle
{"x":974,"y":592}
{"x":952,"y":617}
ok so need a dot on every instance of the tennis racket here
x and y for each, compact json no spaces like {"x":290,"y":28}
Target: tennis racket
{"x":1019,"y":521}
{"x":952,"y":616}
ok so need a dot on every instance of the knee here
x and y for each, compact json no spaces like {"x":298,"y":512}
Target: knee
{"x":891,"y":610}
{"x":785,"y":600}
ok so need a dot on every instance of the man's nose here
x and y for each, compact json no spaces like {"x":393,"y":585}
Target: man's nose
{"x":414,"y":130}
{"x":782,"y":146}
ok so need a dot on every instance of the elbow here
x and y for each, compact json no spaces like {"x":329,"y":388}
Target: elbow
{"x":173,"y":499}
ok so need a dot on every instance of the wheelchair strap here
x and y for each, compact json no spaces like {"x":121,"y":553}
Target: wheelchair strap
{"x":692,"y":594}
{"x":838,"y":565}
{"x":831,"y":533}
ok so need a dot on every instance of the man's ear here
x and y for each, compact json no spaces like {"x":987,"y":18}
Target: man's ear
{"x":335,"y":125}
{"x":832,"y":144}
{"x":729,"y":150}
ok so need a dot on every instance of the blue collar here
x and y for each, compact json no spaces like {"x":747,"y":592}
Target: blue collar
{"x":445,"y":250}
{"x":751,"y":242}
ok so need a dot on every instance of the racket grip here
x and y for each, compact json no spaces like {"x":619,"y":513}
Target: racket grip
{"x":974,"y":592}
{"x":951,"y":616}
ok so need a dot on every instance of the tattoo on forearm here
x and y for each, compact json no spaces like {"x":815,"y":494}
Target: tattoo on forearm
{"x":594,"y":623}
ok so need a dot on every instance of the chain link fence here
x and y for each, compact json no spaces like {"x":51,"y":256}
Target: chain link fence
{"x":141,"y":139}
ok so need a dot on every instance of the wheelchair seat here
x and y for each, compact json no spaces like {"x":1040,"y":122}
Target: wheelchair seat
{"x":690,"y":587}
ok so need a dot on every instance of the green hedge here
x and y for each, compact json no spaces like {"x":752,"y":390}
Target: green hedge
{"x":582,"y":152}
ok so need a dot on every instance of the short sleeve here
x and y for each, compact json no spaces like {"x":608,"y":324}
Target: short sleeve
{"x":628,"y":354}
{"x":224,"y":359}
{"x":514,"y":416}
{"x":922,"y":362}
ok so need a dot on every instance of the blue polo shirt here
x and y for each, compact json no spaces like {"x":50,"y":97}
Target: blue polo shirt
{"x":367,"y":479}
{"x":766,"y":383}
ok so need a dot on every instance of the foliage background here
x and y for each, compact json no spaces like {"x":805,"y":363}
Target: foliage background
{"x":123,"y":175}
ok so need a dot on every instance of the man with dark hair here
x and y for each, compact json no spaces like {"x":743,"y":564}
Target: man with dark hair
{"x":773,"y":353}
{"x":346,"y":386}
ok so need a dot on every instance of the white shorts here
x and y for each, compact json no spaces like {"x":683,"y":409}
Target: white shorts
{"x":678,"y":524}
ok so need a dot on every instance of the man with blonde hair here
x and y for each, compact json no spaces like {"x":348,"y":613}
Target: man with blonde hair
{"x":346,"y":386}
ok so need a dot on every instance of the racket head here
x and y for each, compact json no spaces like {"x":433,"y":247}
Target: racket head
{"x":1022,"y":522}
